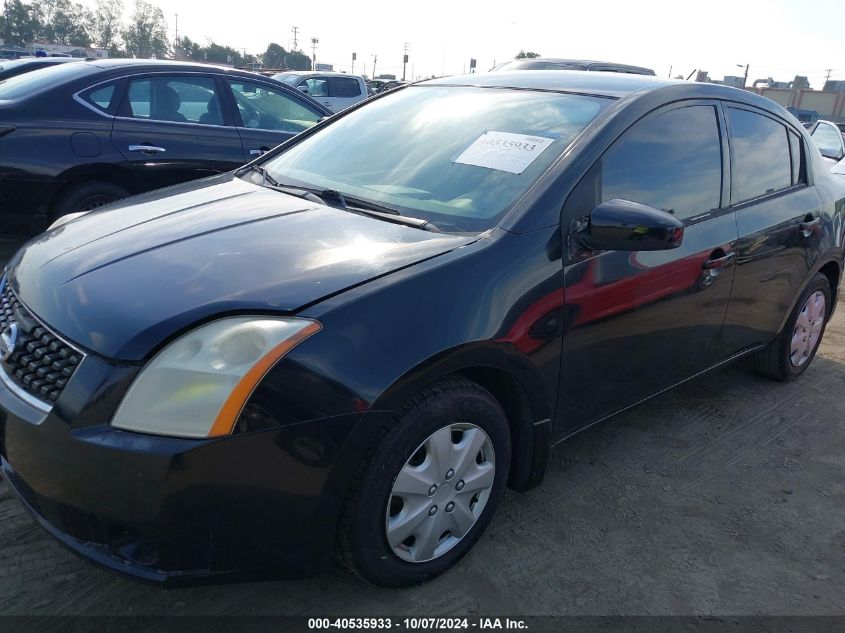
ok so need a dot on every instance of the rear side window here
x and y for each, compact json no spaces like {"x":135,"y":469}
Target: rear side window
{"x":762,"y":156}
{"x":672,"y":161}
{"x":345,"y":87}
{"x":795,"y":147}
{"x":101,"y":97}
{"x":179,"y":99}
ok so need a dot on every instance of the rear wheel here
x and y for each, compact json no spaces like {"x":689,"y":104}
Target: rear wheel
{"x":429,"y":488}
{"x":87,"y":196}
{"x":789,"y":355}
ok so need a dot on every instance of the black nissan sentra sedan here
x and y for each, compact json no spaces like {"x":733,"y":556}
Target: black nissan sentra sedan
{"x":356,"y":342}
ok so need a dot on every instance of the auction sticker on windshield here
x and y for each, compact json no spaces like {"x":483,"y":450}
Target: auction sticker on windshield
{"x":504,"y":151}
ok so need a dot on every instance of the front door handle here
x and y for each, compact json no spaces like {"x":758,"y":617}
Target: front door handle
{"x":809,"y":226}
{"x":716,"y":263}
{"x":259,"y":151}
{"x":147,"y":149}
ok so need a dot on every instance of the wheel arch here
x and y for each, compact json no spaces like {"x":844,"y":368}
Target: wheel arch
{"x":512,"y":380}
{"x":114,"y":174}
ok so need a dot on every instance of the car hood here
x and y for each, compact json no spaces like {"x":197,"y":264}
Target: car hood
{"x":121,"y":280}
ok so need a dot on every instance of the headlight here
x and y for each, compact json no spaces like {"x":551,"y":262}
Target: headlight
{"x":198,"y":384}
{"x":65,"y":219}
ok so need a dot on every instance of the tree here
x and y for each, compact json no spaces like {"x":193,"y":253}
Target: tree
{"x":146,"y":35}
{"x":526,"y":55}
{"x":104,"y":23}
{"x":65,"y":22}
{"x":20,"y":22}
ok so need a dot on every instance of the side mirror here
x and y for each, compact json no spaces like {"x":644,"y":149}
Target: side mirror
{"x":303,"y":88}
{"x":830,"y":153}
{"x":621,"y":225}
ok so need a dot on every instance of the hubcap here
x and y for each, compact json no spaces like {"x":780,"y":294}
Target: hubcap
{"x":808,"y":329}
{"x":452,"y":470}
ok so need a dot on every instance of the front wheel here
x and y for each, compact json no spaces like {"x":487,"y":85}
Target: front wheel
{"x":789,"y":355}
{"x":429,"y":488}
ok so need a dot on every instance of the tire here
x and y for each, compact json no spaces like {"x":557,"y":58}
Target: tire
{"x":780,"y":360}
{"x":453,"y":408}
{"x":87,"y":196}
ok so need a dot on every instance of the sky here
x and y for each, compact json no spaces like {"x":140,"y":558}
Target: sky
{"x":777,"y":38}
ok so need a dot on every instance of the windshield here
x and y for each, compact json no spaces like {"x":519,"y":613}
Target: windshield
{"x":288,"y":79}
{"x":30,"y":83}
{"x":458,"y":157}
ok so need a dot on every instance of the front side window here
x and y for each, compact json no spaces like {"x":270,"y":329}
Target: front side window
{"x":672,"y":161}
{"x":456,"y":156}
{"x":265,"y":108}
{"x":178,"y":99}
{"x":317,"y":87}
{"x":762,"y":156}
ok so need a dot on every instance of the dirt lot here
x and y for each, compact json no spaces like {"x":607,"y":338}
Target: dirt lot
{"x":726,"y":496}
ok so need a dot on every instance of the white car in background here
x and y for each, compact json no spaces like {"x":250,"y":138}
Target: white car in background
{"x":830,"y":141}
{"x":336,"y":91}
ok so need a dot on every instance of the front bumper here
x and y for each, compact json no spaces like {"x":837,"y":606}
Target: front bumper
{"x":171,"y":510}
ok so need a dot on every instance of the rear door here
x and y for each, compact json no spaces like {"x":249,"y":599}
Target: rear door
{"x":638,"y":322}
{"x":267,"y":115}
{"x":171,"y":128}
{"x":345,"y":92}
{"x":778,"y":218}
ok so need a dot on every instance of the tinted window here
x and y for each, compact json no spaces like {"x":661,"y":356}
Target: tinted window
{"x":762,"y":157}
{"x":672,"y":161}
{"x":345,"y":87}
{"x":268,"y":109}
{"x":828,"y":139}
{"x":795,"y":146}
{"x":427,"y":175}
{"x":179,"y":99}
{"x":317,"y":87}
{"x":101,"y":97}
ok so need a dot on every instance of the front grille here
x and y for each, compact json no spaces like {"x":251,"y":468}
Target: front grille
{"x":41,"y":363}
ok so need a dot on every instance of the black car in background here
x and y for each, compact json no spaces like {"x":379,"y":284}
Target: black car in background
{"x":356,"y":351}
{"x":77,"y":136}
{"x":15,"y":67}
{"x":550,"y":63}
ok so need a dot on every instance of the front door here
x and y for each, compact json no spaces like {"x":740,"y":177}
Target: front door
{"x":171,"y":129}
{"x":266,"y":116}
{"x":318,"y":89}
{"x":639,"y":322}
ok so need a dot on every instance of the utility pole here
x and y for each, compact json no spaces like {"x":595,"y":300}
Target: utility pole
{"x":745,"y":79}
{"x":405,"y":60}
{"x":354,"y":57}
{"x":314,"y":42}
{"x":670,"y":72}
{"x":827,"y":78}
{"x":177,"y":31}
{"x":375,"y":59}
{"x":295,"y":41}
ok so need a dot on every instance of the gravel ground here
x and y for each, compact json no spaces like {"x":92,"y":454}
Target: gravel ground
{"x":725,"y":496}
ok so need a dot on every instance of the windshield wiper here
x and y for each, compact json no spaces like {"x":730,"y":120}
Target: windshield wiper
{"x":347,"y":203}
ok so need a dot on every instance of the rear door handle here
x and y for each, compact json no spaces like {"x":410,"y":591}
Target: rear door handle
{"x":147,"y":149}
{"x":259,"y":151}
{"x":808,"y":227}
{"x":719,"y":262}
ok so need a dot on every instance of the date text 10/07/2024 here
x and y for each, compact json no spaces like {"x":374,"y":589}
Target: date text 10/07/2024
{"x":418,"y":624}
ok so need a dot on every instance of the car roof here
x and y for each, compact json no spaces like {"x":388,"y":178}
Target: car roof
{"x":607,"y":84}
{"x":306,"y":73}
{"x":582,"y":64}
{"x":113,"y":63}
